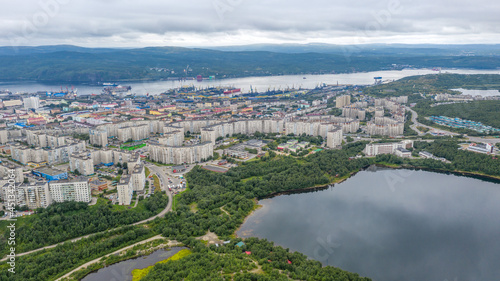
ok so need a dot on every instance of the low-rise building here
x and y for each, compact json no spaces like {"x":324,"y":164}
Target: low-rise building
{"x":50,"y":174}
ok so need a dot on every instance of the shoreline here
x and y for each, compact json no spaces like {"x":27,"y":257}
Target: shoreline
{"x":495,"y":179}
{"x":257,"y":207}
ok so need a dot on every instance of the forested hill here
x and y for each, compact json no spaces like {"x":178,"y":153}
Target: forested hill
{"x":435,"y":84}
{"x":87,"y":65}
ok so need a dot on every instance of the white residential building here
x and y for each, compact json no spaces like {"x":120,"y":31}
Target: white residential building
{"x":31,"y":103}
{"x":125,"y":190}
{"x":82,"y":162}
{"x":70,"y":190}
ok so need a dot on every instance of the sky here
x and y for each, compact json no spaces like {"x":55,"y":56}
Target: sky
{"x":196,"y":23}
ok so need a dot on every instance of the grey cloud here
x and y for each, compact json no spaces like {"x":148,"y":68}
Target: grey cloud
{"x":84,"y":22}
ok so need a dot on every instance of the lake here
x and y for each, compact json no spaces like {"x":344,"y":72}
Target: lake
{"x":483,"y":93}
{"x":391,"y":225}
{"x":122,"y":271}
{"x":256,"y":83}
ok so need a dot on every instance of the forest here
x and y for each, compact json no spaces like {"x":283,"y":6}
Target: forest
{"x":258,"y":260}
{"x":461,"y":160}
{"x":219,"y":203}
{"x":235,"y":191}
{"x":86,"y":65}
{"x":434,"y":84}
{"x":486,"y":112}
{"x":63,"y":221}
{"x":50,"y":264}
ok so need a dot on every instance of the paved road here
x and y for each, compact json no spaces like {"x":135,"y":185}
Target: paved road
{"x":416,"y":124}
{"x":168,"y":208}
{"x":414,"y":116}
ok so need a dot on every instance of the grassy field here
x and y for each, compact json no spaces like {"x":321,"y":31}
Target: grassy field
{"x":138,"y":274}
{"x":157,"y":183}
{"x":134,"y":147}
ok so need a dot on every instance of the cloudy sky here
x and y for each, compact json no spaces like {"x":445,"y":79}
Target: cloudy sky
{"x":127,"y":23}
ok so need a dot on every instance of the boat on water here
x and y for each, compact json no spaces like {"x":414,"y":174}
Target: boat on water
{"x":109,"y":84}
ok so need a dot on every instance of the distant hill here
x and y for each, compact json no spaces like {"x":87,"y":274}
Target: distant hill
{"x":92,"y":65}
{"x":372,"y":49}
{"x":434,"y":84}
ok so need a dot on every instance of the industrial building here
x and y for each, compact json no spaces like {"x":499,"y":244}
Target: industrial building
{"x":50,"y":174}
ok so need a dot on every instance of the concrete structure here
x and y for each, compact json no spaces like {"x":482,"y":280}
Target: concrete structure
{"x":385,"y":126}
{"x":353,"y":112}
{"x":247,"y":127}
{"x":349,"y":125}
{"x":485,"y":148}
{"x":10,"y":103}
{"x":33,"y":195}
{"x":7,"y":169}
{"x":138,"y":178}
{"x":153,"y":126}
{"x":74,"y":190}
{"x":400,"y":99}
{"x":374,"y":149}
{"x":135,"y":133}
{"x":4,"y":136}
{"x":110,"y":157}
{"x":50,"y":174}
{"x":31,"y":103}
{"x":342,"y":101}
{"x":125,"y":190}
{"x":40,"y":139}
{"x":82,"y":162}
{"x":99,"y":138}
{"x":54,"y":155}
{"x":334,"y":137}
{"x":172,"y":138}
{"x":402,"y":152}
{"x":98,"y":185}
{"x":180,"y":154}
{"x":379,"y":111}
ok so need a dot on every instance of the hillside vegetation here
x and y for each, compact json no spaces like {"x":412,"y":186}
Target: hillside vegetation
{"x":435,"y":84}
{"x":81,"y":65}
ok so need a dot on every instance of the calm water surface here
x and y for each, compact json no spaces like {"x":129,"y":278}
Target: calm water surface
{"x":256,"y":83}
{"x":122,"y":271}
{"x":392,"y":225}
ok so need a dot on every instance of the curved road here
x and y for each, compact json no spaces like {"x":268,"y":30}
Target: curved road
{"x":167,"y":209}
{"x":414,"y":116}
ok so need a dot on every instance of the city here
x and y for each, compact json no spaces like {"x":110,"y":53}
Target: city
{"x":236,"y":140}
